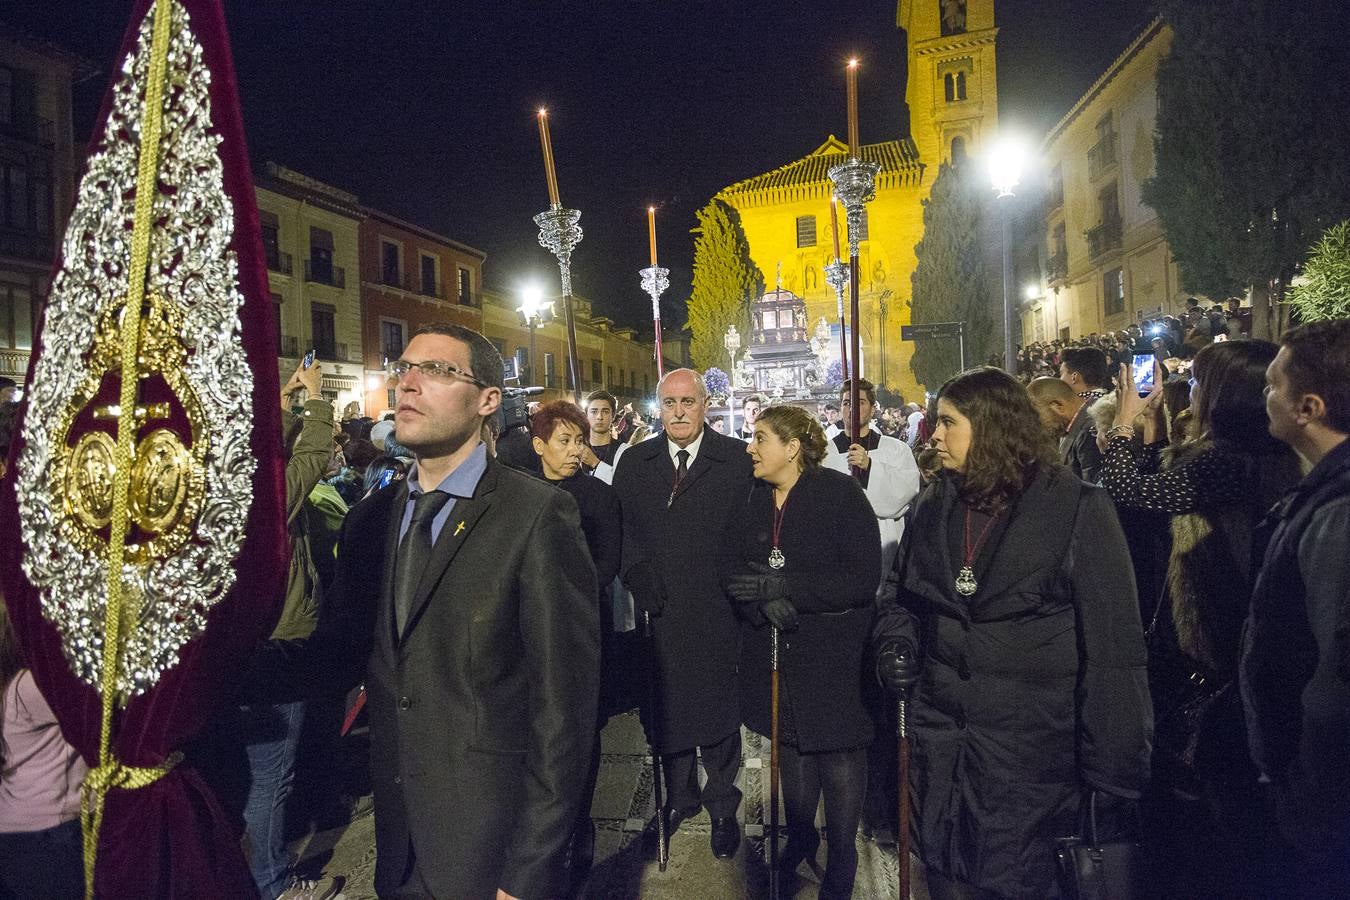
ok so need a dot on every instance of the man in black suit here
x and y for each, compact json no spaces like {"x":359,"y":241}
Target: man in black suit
{"x":678,"y":494}
{"x":468,"y":594}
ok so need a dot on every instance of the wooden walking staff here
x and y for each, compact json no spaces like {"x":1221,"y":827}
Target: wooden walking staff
{"x":855,"y":370}
{"x":559,"y":233}
{"x":654,"y":700}
{"x":902,"y":765}
{"x":773,"y":763}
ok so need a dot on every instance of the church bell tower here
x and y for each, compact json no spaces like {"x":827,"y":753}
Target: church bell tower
{"x":953,"y":85}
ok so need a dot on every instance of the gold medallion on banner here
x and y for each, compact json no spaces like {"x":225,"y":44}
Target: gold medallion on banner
{"x":168,"y":475}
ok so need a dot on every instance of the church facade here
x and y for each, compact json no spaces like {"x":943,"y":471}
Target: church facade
{"x":953,"y":109}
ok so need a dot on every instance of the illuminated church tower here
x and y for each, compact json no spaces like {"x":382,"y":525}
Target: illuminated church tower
{"x":953,"y":88}
{"x":953,"y":107}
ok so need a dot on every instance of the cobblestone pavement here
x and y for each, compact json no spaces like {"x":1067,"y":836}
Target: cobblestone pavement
{"x":622,"y":806}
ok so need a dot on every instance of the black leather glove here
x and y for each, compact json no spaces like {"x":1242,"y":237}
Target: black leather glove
{"x":757,"y":587}
{"x":647,"y":588}
{"x":898,"y":666}
{"x":780,"y":613}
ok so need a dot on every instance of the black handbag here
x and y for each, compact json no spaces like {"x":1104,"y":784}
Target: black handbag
{"x":1091,"y":869}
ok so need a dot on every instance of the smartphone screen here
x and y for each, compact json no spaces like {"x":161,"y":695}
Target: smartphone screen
{"x":386,"y":478}
{"x":1220,"y":338}
{"x":309,"y":359}
{"x":1142,"y":370}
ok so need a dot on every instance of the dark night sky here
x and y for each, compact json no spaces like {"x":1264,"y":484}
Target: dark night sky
{"x":427,"y":109}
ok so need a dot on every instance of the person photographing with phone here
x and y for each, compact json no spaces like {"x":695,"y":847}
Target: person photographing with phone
{"x":1215,"y":486}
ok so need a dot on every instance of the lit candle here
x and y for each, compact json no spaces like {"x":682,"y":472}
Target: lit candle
{"x":547,"y":144}
{"x":651,"y":231}
{"x":834,"y":227}
{"x":851,"y":79}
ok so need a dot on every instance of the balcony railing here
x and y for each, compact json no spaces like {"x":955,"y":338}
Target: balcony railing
{"x":1104,"y":238}
{"x":280,"y":262}
{"x":474,"y":300}
{"x":14,"y":363}
{"x":406,"y":282}
{"x":1101,"y":156}
{"x":290,"y":346}
{"x":335,"y":276}
{"x":1057,"y":266}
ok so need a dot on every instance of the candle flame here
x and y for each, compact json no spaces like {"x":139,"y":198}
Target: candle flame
{"x":543,"y":112}
{"x":853,"y":63}
{"x":651,"y":209}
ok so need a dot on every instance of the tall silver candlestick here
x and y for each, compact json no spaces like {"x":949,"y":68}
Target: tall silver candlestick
{"x":655,"y":280}
{"x":559,"y":234}
{"x":855,"y":186}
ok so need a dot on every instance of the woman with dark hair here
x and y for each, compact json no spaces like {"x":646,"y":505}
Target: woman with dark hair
{"x":559,"y":431}
{"x":40,"y":778}
{"x":1017,"y":625}
{"x":1216,"y":484}
{"x":810,"y":560}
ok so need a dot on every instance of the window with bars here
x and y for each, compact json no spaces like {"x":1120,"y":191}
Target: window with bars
{"x":16,"y":316}
{"x":806,"y":231}
{"x":323,"y":329}
{"x":389,"y":263}
{"x":430,"y":287}
{"x":1113,"y":292}
{"x":391,"y":339}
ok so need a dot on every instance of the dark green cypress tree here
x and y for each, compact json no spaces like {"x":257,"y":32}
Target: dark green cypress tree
{"x":725,"y":281}
{"x":949,"y":283}
{"x":1251,"y":158}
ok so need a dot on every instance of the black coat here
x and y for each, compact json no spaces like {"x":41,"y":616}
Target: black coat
{"x":828,"y":530}
{"x":483,"y":715}
{"x":687,"y":541}
{"x":1295,"y":669}
{"x":1032,"y":691}
{"x":1078,"y":449}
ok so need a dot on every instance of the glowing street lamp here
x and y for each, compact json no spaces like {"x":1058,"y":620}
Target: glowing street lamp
{"x":533,"y":310}
{"x":1006,"y":159}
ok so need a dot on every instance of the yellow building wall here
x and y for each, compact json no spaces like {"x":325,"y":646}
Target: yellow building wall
{"x":895,"y":217}
{"x":294,"y":218}
{"x":885,"y":262}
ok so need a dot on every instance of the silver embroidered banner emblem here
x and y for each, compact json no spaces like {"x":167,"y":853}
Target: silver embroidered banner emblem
{"x":191,"y":478}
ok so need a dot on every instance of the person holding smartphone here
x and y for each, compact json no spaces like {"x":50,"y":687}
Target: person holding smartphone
{"x":1215,"y":486}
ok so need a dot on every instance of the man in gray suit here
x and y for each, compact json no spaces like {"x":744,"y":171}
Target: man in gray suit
{"x":468,"y":596}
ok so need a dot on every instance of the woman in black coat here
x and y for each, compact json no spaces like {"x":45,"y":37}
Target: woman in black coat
{"x":558,"y":433}
{"x":1017,"y":625}
{"x":809,"y":563}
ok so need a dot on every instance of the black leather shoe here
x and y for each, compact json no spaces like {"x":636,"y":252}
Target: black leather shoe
{"x":726,"y":837}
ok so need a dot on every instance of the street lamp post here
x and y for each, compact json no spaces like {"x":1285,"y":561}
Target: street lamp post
{"x":533,"y":310}
{"x":1006,"y":160}
{"x":732,"y":341}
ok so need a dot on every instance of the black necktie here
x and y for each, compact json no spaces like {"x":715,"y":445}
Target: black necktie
{"x":414,"y":552}
{"x":680,"y":471}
